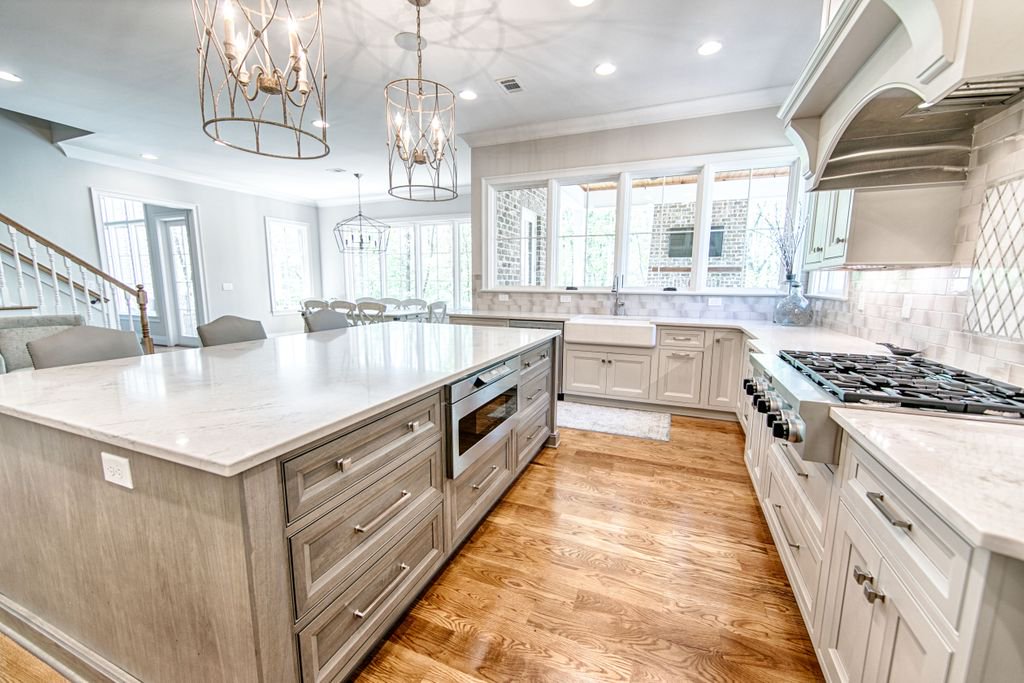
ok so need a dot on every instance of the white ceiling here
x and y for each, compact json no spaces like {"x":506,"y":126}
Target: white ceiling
{"x":126,"y":70}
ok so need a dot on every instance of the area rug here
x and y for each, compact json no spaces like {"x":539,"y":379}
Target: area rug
{"x":642,"y":424}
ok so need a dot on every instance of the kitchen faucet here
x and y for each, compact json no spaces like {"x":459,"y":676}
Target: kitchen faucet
{"x":619,"y":304}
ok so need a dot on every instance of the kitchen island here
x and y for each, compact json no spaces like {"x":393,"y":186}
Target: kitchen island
{"x":288,"y":498}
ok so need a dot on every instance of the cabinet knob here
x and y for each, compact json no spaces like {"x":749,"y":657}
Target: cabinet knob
{"x":839,"y":240}
{"x":872,"y":594}
{"x":817,"y":249}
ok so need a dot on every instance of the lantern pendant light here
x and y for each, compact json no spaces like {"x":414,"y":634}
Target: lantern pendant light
{"x":361,"y":234}
{"x":421,"y":133}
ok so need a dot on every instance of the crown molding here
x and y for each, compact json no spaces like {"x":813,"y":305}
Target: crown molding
{"x":149,"y":168}
{"x":661,"y":113}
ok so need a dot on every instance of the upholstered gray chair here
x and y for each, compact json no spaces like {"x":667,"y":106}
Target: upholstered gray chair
{"x":230,"y":329}
{"x":370,"y":313}
{"x":321,"y":321}
{"x":437,"y":312}
{"x":17,"y":331}
{"x":84,"y":344}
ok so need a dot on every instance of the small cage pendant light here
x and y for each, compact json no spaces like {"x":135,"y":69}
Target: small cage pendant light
{"x":361,"y":234}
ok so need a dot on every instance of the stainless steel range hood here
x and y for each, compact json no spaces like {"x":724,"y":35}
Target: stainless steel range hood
{"x":894,"y":89}
{"x":898,"y":139}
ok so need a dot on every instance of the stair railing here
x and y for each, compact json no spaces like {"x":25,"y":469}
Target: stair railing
{"x":100,"y":291}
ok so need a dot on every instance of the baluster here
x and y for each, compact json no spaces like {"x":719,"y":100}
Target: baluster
{"x":3,"y":284}
{"x":71,"y":285}
{"x":35,"y":271}
{"x":109,"y":318}
{"x":128,"y":307}
{"x":17,"y":265}
{"x":88,"y":297}
{"x":54,"y":280}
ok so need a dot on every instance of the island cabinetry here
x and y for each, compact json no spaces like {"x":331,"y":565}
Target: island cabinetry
{"x":340,"y":465}
{"x":477,"y":489}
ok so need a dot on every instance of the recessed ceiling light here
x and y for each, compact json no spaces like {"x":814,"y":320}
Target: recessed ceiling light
{"x":335,"y":170}
{"x":149,"y":157}
{"x":605,"y":69}
{"x":709,"y":47}
{"x":320,"y":123}
{"x":8,"y":76}
{"x":581,"y":3}
{"x":468,"y":94}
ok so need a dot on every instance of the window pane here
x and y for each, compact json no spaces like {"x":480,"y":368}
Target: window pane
{"x":364,"y":275}
{"x":659,"y":251}
{"x":520,"y":236}
{"x":743,"y":205}
{"x":586,"y":235}
{"x":399,"y":265}
{"x":465,"y":264}
{"x":437,"y":254}
{"x":288,"y":255}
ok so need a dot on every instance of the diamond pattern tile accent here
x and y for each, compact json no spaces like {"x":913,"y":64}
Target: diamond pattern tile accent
{"x":996,"y":306}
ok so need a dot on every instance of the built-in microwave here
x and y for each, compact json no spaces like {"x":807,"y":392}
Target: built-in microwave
{"x":481,"y":412}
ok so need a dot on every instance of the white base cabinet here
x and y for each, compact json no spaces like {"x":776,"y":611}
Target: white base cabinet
{"x":596,"y":372}
{"x":679,"y":376}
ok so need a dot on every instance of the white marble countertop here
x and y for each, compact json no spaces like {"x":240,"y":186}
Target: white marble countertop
{"x":969,"y":472}
{"x":228,"y":408}
{"x":767,"y":337}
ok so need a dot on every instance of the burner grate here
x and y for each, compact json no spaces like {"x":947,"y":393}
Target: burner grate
{"x":907,"y":382}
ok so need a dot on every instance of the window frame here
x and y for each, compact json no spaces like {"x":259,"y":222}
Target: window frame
{"x":416,"y":223}
{"x":704,"y":165}
{"x":814,"y":290}
{"x":306,"y":257}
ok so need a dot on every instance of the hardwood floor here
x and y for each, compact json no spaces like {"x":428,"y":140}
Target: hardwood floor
{"x":611,"y":558}
{"x":615,"y":559}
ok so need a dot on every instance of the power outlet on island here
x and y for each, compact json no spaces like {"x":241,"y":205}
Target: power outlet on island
{"x":117,"y":470}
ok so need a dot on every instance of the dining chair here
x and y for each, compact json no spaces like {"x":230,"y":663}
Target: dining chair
{"x":326,"y":319}
{"x":366,"y":300}
{"x":83,"y":344}
{"x":370,"y":313}
{"x":347,"y":308}
{"x":388,"y":301}
{"x":310,"y":305}
{"x":412,"y":303}
{"x":437,"y":312}
{"x":229,"y":329}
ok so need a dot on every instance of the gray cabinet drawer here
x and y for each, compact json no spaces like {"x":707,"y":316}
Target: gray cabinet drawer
{"x":812,"y":482}
{"x":535,"y":360}
{"x":327,"y":553}
{"x":536,"y":389}
{"x":477,"y":488}
{"x":681,"y":337}
{"x":533,"y":429}
{"x":334,"y":468}
{"x":333,"y":643}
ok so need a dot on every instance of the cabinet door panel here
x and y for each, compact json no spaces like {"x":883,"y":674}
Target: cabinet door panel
{"x":725,"y":369}
{"x":585,"y":372}
{"x":629,"y":375}
{"x":848,"y":614}
{"x":821,"y":225}
{"x":679,"y":374}
{"x":839,"y":231}
{"x":904,"y":644}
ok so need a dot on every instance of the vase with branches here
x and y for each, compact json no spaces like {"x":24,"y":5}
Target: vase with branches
{"x":786,"y":232}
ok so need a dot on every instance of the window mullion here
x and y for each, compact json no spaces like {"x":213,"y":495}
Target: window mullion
{"x":417,"y":261}
{"x":702,"y":229}
{"x":551,"y":262}
{"x":623,"y":197}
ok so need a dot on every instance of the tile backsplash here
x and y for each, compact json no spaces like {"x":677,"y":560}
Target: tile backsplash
{"x":926,"y":308}
{"x":593,"y":303}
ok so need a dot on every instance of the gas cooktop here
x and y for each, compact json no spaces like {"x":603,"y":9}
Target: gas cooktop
{"x":907,"y":382}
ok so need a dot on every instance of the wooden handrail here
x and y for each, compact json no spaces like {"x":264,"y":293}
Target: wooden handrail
{"x":139,"y":292}
{"x":66,"y":254}
{"x":91,"y":294}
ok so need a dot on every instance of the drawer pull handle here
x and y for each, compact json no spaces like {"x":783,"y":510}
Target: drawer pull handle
{"x":534,"y":395}
{"x":345,"y":464}
{"x":681,"y":355}
{"x":414,"y":425}
{"x":544,"y":357}
{"x":797,"y":467}
{"x":402,"y":500}
{"x":785,"y":531}
{"x":878,"y":500}
{"x":860,"y":576}
{"x":872,"y":594}
{"x":388,"y":590}
{"x":477,"y":487}
{"x":682,"y":338}
{"x":537,"y":431}
{"x":527,"y":364}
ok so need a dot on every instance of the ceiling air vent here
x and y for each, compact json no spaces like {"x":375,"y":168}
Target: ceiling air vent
{"x":510,"y":85}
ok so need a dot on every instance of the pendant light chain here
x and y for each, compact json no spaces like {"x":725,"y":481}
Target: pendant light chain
{"x":419,"y":52}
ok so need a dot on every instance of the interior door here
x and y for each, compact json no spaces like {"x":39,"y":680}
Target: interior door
{"x":181,"y":268}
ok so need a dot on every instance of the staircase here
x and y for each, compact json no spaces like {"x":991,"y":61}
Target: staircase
{"x":37,"y":277}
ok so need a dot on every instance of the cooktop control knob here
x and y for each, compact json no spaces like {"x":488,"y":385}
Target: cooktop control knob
{"x":769,"y":404}
{"x":788,"y":427}
{"x":755,"y":386}
{"x":755,"y":398}
{"x":770,"y":418}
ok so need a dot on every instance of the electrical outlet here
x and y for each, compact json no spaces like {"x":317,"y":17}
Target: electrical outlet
{"x":117,"y":470}
{"x":714,"y":302}
{"x":503,"y":297}
{"x":908,"y":302}
{"x":227,"y":286}
{"x":564,"y":299}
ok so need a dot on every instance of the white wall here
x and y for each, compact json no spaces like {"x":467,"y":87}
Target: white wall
{"x":50,"y":194}
{"x":393,"y":210}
